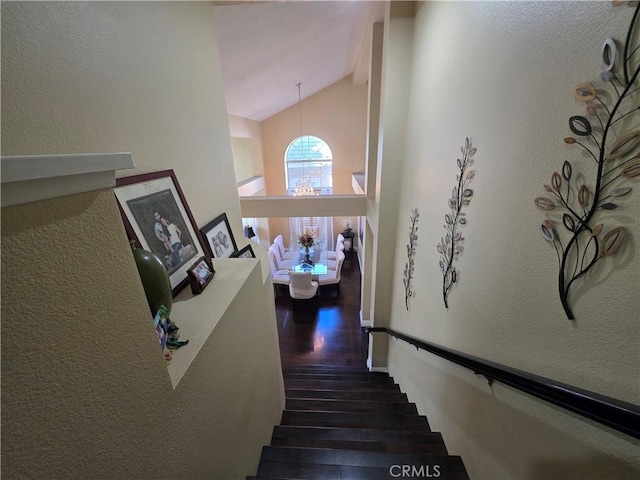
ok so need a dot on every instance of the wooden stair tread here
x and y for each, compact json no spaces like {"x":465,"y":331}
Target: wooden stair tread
{"x":347,"y":423}
{"x":435,"y":448}
{"x":341,"y":377}
{"x":328,"y":456}
{"x":380,"y":395}
{"x":337,"y":385}
{"x":329,"y":464}
{"x":353,"y":419}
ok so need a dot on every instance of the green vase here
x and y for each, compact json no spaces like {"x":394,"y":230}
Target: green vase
{"x":155,"y":279}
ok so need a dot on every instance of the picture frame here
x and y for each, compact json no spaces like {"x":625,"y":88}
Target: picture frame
{"x":161,"y":327}
{"x":200,"y":275}
{"x":157,"y":217}
{"x":219,"y":238}
{"x":246,"y":252}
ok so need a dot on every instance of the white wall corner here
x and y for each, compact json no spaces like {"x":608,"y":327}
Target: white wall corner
{"x":27,"y":179}
{"x":357,"y":183}
{"x":364,"y":322}
{"x":250,"y":187}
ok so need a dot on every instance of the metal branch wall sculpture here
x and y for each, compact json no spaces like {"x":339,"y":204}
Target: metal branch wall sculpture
{"x":411,"y":251}
{"x":450,"y":246}
{"x":580,"y":241}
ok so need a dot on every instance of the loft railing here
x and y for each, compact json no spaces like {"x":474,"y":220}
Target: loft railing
{"x":621,"y":416}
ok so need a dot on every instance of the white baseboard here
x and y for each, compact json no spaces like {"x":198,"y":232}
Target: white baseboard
{"x":375,"y":369}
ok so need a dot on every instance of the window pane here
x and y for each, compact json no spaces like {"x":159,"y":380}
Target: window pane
{"x":308,"y":159}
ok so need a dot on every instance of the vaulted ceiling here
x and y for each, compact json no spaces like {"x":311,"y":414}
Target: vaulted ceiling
{"x":267,"y":48}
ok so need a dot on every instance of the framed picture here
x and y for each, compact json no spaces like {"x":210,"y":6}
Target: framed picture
{"x":200,"y":274}
{"x":246,"y":252}
{"x":156,"y":215}
{"x":160,"y":323}
{"x":218,"y":237}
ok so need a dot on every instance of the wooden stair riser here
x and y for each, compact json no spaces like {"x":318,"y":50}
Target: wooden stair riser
{"x":356,"y":434}
{"x":437,"y":448}
{"x":355,"y":420}
{"x":358,"y":406}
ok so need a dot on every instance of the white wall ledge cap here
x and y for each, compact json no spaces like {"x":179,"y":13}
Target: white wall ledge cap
{"x":250,"y":186}
{"x":32,"y":178}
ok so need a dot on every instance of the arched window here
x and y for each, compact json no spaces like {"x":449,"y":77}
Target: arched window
{"x":308,"y":162}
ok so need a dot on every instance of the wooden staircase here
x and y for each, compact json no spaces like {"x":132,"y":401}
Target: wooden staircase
{"x":348,"y":423}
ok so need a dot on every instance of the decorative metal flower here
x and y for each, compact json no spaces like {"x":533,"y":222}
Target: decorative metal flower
{"x":573,"y":208}
{"x":450,"y":246}
{"x":411,"y":251}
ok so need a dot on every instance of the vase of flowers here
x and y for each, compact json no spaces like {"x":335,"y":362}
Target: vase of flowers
{"x":306,"y":239}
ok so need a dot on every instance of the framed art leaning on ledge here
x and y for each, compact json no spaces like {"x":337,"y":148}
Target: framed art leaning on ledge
{"x":157,"y":217}
{"x":200,"y":274}
{"x":218,"y":237}
{"x":246,"y":252}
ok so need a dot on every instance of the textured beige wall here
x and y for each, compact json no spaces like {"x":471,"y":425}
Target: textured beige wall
{"x":139,"y":77}
{"x":502,"y":74}
{"x":83,"y":380}
{"x":85,"y":392}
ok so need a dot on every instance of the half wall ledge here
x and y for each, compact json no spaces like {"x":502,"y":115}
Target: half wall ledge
{"x":32,"y":178}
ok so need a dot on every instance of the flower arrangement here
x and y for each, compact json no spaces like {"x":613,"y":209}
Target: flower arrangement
{"x":306,"y":239}
{"x":347,"y":224}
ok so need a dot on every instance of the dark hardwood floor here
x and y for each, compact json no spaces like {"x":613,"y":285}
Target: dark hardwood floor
{"x":325,"y":330}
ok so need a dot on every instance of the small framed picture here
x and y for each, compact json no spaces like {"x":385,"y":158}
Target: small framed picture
{"x":160,"y":322}
{"x":246,"y":252}
{"x":200,"y":274}
{"x":219,"y":238}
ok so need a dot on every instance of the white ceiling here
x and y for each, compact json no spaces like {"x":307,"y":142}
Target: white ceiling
{"x":267,"y":48}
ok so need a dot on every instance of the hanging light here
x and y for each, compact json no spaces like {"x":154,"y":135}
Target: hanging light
{"x":303,"y":186}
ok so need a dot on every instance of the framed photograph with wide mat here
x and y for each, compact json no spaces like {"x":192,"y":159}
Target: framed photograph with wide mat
{"x":156,"y":215}
{"x":218,"y":237}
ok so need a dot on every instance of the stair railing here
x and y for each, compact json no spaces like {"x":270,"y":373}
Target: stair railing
{"x":617,"y":414}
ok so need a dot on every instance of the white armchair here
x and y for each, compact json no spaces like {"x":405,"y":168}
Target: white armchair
{"x":333,"y":255}
{"x":281,"y":264}
{"x":301,"y":287}
{"x":332,"y":277}
{"x":292,"y":255}
{"x":278,"y":277}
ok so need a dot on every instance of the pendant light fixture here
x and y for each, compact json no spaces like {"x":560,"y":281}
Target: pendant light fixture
{"x":303,"y":186}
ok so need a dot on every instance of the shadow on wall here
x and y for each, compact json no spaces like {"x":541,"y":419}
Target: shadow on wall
{"x":497,"y":440}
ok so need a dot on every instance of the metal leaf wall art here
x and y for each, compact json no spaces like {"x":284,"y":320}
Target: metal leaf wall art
{"x":450,"y":246}
{"x":609,"y":136}
{"x":411,"y":251}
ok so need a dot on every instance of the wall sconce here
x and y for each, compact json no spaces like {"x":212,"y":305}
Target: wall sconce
{"x":248,"y":232}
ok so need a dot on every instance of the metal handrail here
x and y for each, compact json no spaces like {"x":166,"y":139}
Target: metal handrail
{"x":617,"y":414}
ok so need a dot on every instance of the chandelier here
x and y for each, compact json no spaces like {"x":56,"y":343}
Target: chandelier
{"x":303,"y":187}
